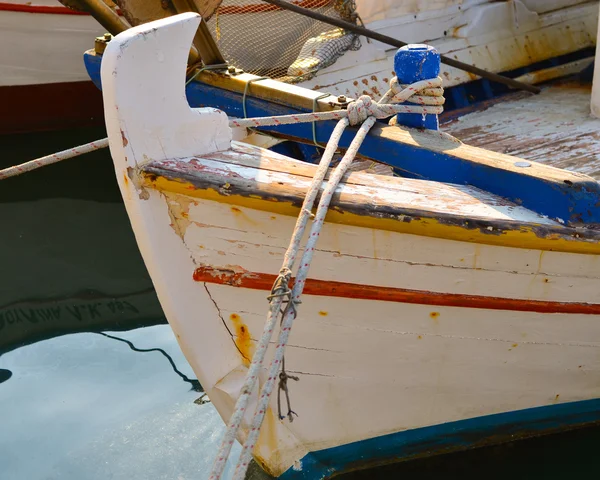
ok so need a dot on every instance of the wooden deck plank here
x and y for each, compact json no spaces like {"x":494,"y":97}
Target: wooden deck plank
{"x":554,"y":128}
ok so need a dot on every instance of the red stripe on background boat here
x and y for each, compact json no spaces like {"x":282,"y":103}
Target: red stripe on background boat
{"x":49,"y":9}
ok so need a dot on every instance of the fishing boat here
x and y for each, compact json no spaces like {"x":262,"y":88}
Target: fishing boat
{"x":528,"y":42}
{"x":447,"y":308}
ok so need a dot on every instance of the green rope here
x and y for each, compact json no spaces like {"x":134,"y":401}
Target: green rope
{"x":314,"y":124}
{"x":220,"y":66}
{"x":246,"y":91}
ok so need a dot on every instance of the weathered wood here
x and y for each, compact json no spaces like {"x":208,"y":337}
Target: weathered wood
{"x":408,"y":204}
{"x":554,"y":128}
{"x":570,"y":196}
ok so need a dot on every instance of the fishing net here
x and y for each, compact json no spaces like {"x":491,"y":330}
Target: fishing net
{"x":268,"y":41}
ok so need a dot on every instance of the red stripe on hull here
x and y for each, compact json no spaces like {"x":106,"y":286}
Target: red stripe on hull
{"x":264,"y":281}
{"x":51,"y":106}
{"x":49,"y":9}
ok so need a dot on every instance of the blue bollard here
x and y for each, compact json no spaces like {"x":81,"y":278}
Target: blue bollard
{"x":413,"y":63}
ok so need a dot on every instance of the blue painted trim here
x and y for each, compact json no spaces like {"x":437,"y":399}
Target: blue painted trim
{"x":576,"y":200}
{"x":446,"y":437}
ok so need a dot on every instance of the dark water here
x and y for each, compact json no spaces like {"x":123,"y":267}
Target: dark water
{"x":92,"y":382}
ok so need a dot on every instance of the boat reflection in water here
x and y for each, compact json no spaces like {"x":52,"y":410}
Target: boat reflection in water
{"x":69,"y":259}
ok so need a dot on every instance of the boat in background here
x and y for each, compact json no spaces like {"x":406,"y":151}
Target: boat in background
{"x":446,"y":310}
{"x":43,"y":80}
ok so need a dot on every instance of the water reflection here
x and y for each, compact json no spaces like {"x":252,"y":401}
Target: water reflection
{"x":69,"y":259}
{"x":85,"y":406}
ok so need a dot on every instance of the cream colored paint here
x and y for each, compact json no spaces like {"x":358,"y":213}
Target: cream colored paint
{"x":256,"y":242}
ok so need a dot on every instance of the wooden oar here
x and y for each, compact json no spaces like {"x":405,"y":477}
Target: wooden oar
{"x":397,"y":43}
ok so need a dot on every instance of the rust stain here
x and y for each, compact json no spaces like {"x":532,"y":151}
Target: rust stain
{"x":323,"y":313}
{"x":124,"y":138}
{"x":270,"y":440}
{"x":515,"y":345}
{"x":236,"y":210}
{"x":420,"y":337}
{"x":238,"y":277}
{"x":125,"y":179}
{"x":243,"y":338}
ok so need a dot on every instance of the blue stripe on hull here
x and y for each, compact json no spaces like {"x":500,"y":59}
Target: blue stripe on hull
{"x":446,"y":437}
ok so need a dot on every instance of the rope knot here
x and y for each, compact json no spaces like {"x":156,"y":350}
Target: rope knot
{"x":363,"y":108}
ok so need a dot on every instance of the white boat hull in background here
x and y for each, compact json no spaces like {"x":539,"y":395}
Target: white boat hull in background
{"x":42,"y":47}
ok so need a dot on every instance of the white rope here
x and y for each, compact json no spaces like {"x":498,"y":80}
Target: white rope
{"x":364,"y":111}
{"x":429,"y":103}
{"x":279,"y":292}
{"x":54,"y":158}
{"x":290,"y":315}
{"x":426,"y":94}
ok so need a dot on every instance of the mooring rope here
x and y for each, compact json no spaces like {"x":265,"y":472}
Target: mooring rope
{"x":54,"y":158}
{"x":362,"y":111}
{"x":427,"y":95}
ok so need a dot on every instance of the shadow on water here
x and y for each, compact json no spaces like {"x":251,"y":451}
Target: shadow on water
{"x":79,"y":405}
{"x":194,"y":383}
{"x":4,"y":375}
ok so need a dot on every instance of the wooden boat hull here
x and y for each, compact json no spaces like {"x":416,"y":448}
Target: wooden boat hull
{"x":43,"y":81}
{"x":437,"y":316}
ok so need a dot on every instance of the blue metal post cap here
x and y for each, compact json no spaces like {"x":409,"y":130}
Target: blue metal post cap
{"x":412,"y":63}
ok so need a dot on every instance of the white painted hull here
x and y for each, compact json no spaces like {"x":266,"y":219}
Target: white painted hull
{"x":40,"y":48}
{"x":397,"y":331}
{"x":368,"y":368}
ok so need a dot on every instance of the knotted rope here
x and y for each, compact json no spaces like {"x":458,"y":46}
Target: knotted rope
{"x":364,"y":111}
{"x":426,"y":95}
